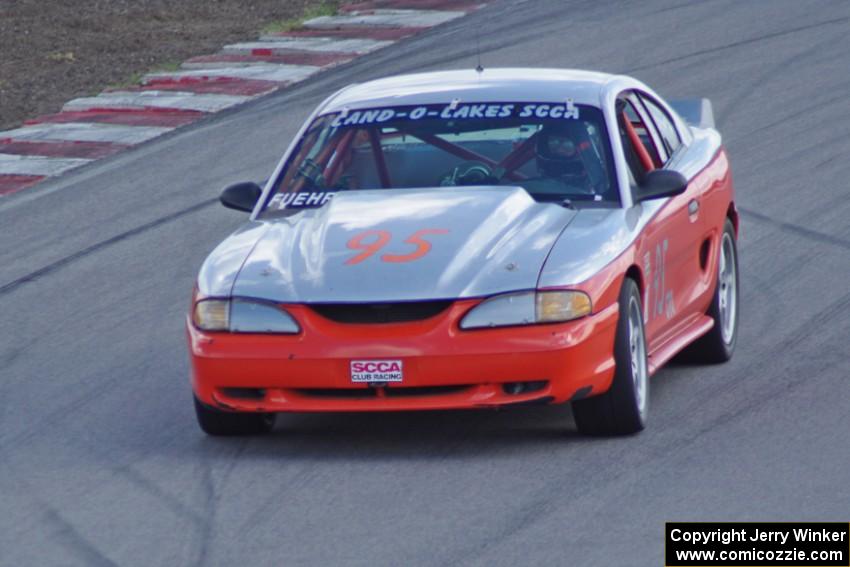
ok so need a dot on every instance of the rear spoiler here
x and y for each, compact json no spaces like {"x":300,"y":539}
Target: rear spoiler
{"x":696,"y":111}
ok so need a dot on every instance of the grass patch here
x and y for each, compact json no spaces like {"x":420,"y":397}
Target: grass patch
{"x":136,"y":78}
{"x":130,"y":81}
{"x":167,"y":67}
{"x":327,"y":8}
{"x":62,"y":56}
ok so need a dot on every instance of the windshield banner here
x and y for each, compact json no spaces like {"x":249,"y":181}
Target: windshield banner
{"x":457,"y":111}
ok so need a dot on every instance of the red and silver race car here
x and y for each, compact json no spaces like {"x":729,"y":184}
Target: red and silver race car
{"x":472,"y":239}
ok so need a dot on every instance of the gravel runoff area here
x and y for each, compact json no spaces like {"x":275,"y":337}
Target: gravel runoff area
{"x":56,"y":50}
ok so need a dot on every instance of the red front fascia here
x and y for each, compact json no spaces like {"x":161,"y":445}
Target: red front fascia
{"x":573,"y":356}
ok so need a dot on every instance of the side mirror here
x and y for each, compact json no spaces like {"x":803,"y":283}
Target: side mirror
{"x":662,"y":183}
{"x":241,"y":196}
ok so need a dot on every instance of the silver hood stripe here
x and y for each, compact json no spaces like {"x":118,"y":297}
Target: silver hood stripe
{"x":483,"y":241}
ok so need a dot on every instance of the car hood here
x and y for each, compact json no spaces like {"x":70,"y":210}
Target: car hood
{"x":475,"y":242}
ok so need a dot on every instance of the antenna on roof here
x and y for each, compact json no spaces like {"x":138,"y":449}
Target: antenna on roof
{"x":479,"y":67}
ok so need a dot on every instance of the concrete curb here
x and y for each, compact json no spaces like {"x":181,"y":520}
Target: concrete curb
{"x":91,"y":128}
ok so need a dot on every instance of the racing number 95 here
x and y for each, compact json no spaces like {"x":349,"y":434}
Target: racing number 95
{"x":371,"y":241}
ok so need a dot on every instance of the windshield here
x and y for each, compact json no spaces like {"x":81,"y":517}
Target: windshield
{"x":554,"y":151}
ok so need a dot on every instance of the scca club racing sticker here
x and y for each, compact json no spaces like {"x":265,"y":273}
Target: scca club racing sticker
{"x":457,"y":111}
{"x":301,"y":200}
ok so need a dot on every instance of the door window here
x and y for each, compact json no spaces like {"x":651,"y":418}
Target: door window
{"x":668,"y":132}
{"x":640,"y":152}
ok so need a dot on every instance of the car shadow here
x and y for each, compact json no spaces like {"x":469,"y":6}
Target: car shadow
{"x":412,"y":435}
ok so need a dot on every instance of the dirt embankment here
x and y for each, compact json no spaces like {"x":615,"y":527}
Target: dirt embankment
{"x":56,"y":50}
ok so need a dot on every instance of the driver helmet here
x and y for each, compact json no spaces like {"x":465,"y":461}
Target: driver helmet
{"x":557,"y":152}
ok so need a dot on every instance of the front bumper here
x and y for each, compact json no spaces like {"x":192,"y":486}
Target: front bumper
{"x":444,"y":366}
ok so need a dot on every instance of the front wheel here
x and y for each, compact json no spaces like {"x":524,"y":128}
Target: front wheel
{"x":623,"y":408}
{"x":224,"y":423}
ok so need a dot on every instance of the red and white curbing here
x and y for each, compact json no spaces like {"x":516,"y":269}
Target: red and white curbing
{"x":157,"y":99}
{"x":386,"y":19}
{"x":84,"y":132}
{"x":257,"y":72}
{"x":90,"y":128}
{"x":280,"y":45}
{"x":38,"y":165}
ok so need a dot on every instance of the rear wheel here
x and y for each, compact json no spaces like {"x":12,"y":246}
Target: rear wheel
{"x":718,"y":344}
{"x":224,"y":423}
{"x":623,"y":408}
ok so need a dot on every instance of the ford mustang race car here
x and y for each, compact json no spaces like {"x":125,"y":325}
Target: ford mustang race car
{"x":472,"y":239}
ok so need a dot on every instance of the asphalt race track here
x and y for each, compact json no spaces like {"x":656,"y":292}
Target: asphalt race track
{"x":101,"y":462}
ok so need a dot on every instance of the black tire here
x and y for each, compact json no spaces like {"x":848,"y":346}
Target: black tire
{"x":224,"y":423}
{"x":718,"y":344}
{"x":622,"y":410}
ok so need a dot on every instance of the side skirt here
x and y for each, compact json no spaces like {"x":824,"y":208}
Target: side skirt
{"x":676,"y":343}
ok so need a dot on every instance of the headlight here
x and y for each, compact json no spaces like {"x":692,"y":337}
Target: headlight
{"x":242,"y":316}
{"x":212,"y":315}
{"x":248,"y":316}
{"x":527,"y":308}
{"x":553,"y":306}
